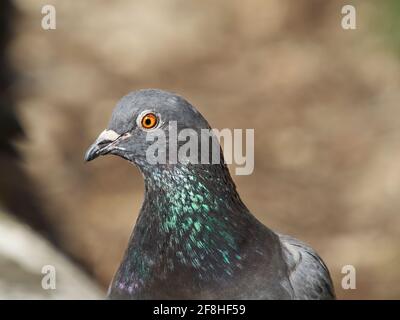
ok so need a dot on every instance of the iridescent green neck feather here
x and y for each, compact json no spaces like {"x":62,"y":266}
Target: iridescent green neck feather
{"x":192,"y":220}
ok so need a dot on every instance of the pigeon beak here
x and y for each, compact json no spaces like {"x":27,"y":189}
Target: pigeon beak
{"x":102,"y":145}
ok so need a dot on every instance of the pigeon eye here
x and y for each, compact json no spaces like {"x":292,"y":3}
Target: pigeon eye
{"x":149,"y":121}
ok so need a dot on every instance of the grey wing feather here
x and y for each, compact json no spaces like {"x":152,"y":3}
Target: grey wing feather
{"x":308,"y":274}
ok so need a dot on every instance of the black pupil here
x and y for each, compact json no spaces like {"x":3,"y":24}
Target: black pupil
{"x":147,"y":122}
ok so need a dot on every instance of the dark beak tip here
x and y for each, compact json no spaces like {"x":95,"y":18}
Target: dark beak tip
{"x":92,"y":153}
{"x":87,"y":158}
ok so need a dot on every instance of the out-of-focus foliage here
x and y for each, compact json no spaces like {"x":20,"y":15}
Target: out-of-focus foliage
{"x":388,"y":23}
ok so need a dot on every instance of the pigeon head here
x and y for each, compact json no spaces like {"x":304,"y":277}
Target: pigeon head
{"x":139,"y":120}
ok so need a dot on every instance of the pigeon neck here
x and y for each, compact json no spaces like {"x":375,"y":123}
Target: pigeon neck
{"x":195,"y":189}
{"x":192,"y":219}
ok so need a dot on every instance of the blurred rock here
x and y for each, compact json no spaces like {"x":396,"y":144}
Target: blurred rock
{"x":23,"y":254}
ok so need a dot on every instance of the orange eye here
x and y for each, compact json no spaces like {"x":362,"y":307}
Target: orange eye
{"x":149,"y":121}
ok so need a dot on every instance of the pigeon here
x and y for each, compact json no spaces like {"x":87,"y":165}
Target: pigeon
{"x":194,"y":238}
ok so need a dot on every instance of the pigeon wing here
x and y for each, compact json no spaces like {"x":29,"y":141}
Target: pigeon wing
{"x":308,"y":274}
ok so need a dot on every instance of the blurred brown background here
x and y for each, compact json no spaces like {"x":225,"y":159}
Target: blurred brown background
{"x":324,"y":103}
